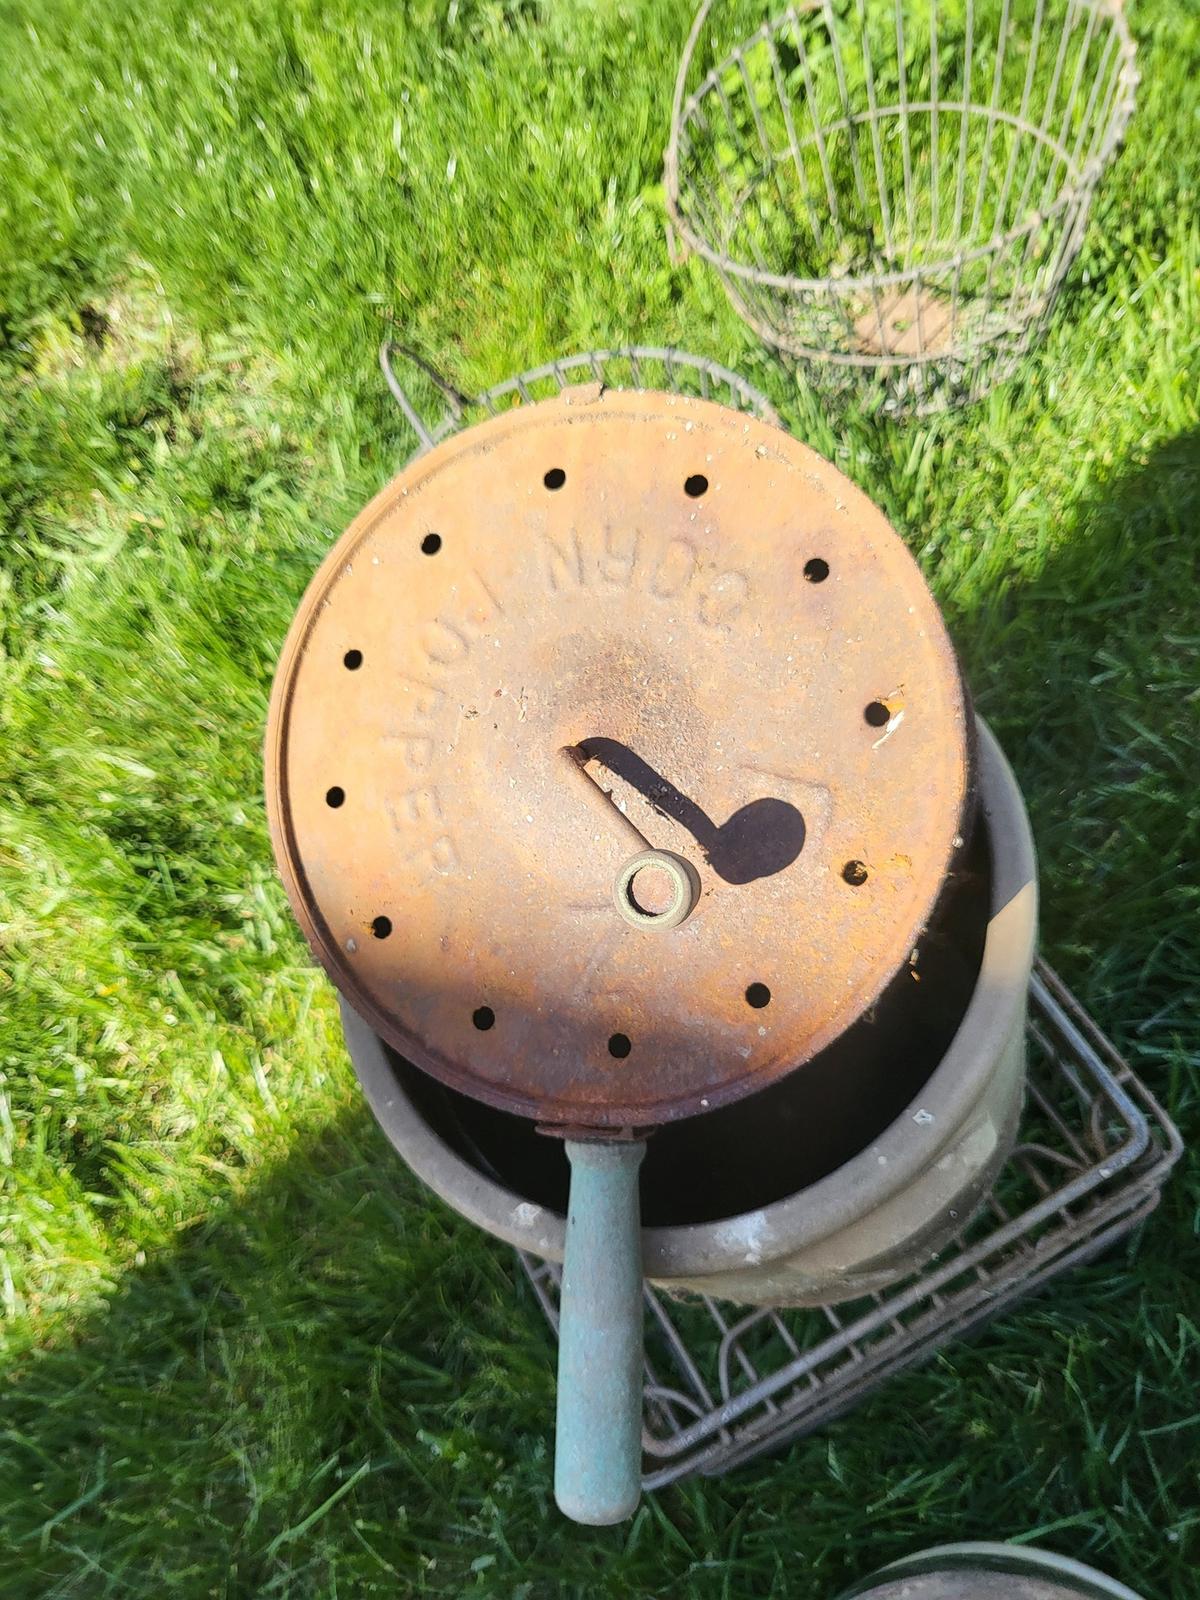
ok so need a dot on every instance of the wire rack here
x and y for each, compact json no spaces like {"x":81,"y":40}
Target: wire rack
{"x":723,"y":1384}
{"x":897,"y":187}
{"x":624,"y":367}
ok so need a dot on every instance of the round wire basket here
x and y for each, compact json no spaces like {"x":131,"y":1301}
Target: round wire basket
{"x":898,"y":187}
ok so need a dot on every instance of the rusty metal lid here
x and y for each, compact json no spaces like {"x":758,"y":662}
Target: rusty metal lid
{"x":637,"y":594}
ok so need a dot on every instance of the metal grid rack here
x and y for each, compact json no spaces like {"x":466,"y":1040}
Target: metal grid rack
{"x":725,"y":1383}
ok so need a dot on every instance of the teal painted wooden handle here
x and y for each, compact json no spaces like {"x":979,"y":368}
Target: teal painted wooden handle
{"x":598,"y":1436}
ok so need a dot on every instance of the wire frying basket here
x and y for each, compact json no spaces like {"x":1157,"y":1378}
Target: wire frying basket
{"x":897,"y":188}
{"x":434,"y":408}
{"x":726,"y":1383}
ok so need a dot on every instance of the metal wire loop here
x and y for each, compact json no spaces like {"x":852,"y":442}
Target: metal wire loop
{"x":623,"y":367}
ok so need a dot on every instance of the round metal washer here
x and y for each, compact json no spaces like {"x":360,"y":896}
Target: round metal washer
{"x":707,"y":609}
{"x":685,"y":889}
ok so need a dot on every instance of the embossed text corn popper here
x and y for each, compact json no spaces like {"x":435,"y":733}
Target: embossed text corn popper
{"x":617,"y":760}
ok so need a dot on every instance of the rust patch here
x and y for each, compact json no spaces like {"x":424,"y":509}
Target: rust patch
{"x":909,"y":322}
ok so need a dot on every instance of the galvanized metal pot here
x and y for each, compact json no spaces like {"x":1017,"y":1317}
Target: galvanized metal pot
{"x":989,"y":1572}
{"x":881,"y":1213}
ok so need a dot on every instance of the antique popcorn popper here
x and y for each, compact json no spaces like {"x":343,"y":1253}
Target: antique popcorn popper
{"x":623,"y":779}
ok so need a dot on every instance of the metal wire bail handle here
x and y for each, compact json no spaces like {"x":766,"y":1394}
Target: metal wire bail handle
{"x":672,"y":370}
{"x":456,"y":400}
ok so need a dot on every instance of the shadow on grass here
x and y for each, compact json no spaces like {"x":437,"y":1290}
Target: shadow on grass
{"x":329,"y":1387}
{"x":309,"y":1370}
{"x":1089,"y":672}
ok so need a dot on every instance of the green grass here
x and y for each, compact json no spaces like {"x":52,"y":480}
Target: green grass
{"x":244,"y":1353}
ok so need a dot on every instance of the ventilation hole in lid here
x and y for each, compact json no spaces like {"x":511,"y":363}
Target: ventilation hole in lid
{"x":431,"y":544}
{"x":619,"y":1046}
{"x":816,"y":570}
{"x":352,"y":659}
{"x":876,"y":714}
{"x":555,"y":478}
{"x":335,"y":797}
{"x":758,"y":996}
{"x":381,"y":927}
{"x":484,"y":1018}
{"x":696,"y":485}
{"x":855,"y":873}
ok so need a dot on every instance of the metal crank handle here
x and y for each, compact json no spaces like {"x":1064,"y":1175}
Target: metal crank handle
{"x":598,"y":1434}
{"x":600,"y":799}
{"x":680,"y":878}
